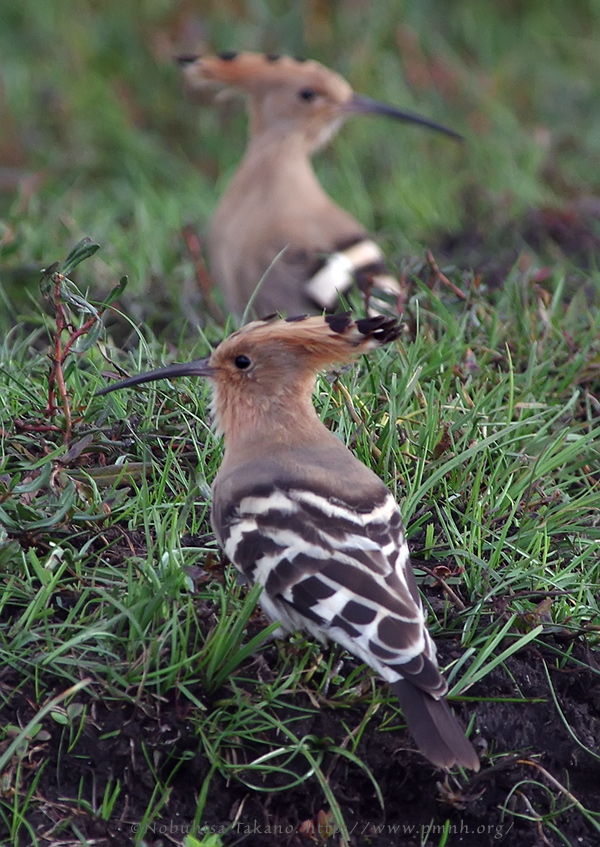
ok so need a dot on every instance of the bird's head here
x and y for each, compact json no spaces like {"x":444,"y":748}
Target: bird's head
{"x":290,"y":97}
{"x":265,"y":372}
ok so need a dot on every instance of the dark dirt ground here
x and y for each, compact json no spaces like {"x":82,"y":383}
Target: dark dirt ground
{"x":567,"y":236}
{"x":538,"y":768}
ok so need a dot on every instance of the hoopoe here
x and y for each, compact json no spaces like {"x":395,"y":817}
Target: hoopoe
{"x":275,"y":220}
{"x":297,"y":512}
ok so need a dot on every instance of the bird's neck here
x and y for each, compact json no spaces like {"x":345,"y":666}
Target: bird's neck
{"x":279,"y":160}
{"x":249,"y":424}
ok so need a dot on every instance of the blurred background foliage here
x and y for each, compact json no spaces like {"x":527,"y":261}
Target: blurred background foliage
{"x":98,"y":136}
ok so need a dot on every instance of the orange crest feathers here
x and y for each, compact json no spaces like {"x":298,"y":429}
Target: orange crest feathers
{"x":322,"y":340}
{"x":248,"y":71}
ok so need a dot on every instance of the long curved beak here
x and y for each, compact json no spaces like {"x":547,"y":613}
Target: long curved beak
{"x":361,"y":105}
{"x":199,"y":367}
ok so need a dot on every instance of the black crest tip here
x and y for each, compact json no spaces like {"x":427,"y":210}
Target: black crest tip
{"x":380,"y":328}
{"x":228,"y":55}
{"x":340,"y":322}
{"x":186,"y":59}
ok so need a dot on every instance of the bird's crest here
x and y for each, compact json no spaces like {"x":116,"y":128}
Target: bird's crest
{"x":324,"y":340}
{"x":250,"y":71}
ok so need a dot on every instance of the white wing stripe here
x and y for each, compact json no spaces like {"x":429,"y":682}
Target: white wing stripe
{"x":275,"y":501}
{"x":380,"y":514}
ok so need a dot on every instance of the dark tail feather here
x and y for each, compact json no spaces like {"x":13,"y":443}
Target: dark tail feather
{"x":437,"y":732}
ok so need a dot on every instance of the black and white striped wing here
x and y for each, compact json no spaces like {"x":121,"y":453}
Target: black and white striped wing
{"x":341,"y":573}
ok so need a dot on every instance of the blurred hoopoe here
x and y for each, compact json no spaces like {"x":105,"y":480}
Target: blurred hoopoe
{"x":295,"y":511}
{"x":274,"y":203}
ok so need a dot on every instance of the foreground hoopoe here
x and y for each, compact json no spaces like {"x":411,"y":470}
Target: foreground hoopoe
{"x":295,"y":511}
{"x":275,"y":203}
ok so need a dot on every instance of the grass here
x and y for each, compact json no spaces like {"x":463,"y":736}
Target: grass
{"x":138,"y":686}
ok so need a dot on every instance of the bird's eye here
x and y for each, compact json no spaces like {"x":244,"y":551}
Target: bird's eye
{"x":242,"y":362}
{"x":307,"y":94}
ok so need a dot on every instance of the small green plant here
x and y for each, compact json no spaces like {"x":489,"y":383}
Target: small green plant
{"x":66,"y":301}
{"x":36,"y":489}
{"x":72,"y":718}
